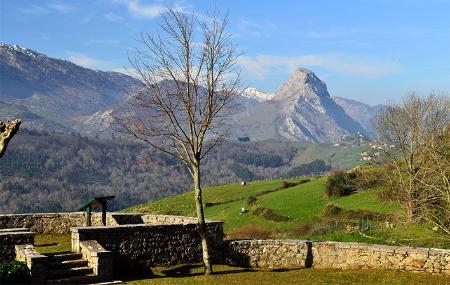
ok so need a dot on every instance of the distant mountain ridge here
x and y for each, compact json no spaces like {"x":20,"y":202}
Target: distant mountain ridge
{"x":57,"y":90}
{"x":54,"y":94}
{"x":364,"y":114}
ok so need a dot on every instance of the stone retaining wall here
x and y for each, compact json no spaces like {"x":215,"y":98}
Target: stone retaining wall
{"x":338,"y":255}
{"x":60,"y":223}
{"x":268,"y":253}
{"x":8,"y":240}
{"x":152,"y":244}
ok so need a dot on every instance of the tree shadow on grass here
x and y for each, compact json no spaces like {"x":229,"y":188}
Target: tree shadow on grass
{"x":180,"y":271}
{"x":46,"y":244}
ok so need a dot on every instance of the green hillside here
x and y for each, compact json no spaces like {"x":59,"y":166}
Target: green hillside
{"x":298,"y":208}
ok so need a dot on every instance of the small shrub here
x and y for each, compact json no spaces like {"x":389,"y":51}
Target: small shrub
{"x":303,"y":181}
{"x":211,"y":204}
{"x":268,"y":214}
{"x":14,"y":272}
{"x":251,"y":201}
{"x":332,"y":210}
{"x":340,"y":184}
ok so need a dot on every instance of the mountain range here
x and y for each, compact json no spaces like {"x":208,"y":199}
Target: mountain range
{"x":57,"y":95}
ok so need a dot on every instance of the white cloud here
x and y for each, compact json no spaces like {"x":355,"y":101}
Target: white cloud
{"x":86,"y":61}
{"x":114,"y":17}
{"x":150,"y":11}
{"x":47,"y":8}
{"x":97,"y":64}
{"x":63,"y":8}
{"x":254,"y":29}
{"x":128,"y":71}
{"x":262,"y":66}
{"x":138,"y":9}
{"x":330,"y":33}
{"x":87,"y":19}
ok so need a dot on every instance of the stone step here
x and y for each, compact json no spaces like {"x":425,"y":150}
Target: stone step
{"x":67,"y":264}
{"x":65,"y":273}
{"x":82,"y":279}
{"x":58,"y":257}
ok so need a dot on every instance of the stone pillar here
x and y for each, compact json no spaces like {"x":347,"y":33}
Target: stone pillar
{"x":99,"y":259}
{"x":75,"y":240}
{"x":37,"y":263}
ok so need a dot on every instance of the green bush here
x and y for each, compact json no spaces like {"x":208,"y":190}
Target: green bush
{"x":251,"y":200}
{"x":14,"y":272}
{"x":332,"y":210}
{"x":340,"y":184}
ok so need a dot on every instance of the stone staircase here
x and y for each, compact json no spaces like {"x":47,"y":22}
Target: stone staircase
{"x":69,"y":268}
{"x":90,"y":263}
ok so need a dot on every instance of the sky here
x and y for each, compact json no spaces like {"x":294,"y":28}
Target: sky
{"x":374,"y":51}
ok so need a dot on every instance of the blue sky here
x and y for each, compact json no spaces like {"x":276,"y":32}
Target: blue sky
{"x":372,"y":51}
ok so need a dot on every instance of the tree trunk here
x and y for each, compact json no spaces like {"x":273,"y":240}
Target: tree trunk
{"x":7,"y":131}
{"x":201,"y":220}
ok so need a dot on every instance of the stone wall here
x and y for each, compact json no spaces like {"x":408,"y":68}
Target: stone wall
{"x":152,"y":244}
{"x":342,"y":255}
{"x":46,"y":222}
{"x":268,"y":253}
{"x":60,"y":223}
{"x":8,"y":240}
{"x":338,"y":255}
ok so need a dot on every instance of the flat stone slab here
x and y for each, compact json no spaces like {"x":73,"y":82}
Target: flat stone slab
{"x":14,"y":230}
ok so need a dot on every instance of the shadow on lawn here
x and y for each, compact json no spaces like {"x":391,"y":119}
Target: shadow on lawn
{"x":180,"y":271}
{"x":188,"y":270}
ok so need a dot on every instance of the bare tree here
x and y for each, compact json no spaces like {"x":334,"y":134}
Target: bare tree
{"x":413,"y":127}
{"x":190,"y":83}
{"x":7,"y":131}
{"x":435,"y":177}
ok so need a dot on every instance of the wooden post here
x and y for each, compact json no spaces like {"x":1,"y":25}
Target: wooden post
{"x":88,"y":216}
{"x":104,"y":212}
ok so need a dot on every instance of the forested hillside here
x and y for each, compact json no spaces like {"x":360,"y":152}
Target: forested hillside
{"x":54,"y":172}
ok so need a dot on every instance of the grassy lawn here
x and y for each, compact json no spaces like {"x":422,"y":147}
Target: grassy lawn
{"x":51,"y":243}
{"x":241,"y":276}
{"x":345,"y":157}
{"x":298,"y":212}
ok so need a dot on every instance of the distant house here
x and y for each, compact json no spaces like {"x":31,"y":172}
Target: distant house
{"x":243,"y":139}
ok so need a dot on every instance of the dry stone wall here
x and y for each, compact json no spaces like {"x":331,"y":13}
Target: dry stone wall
{"x":57,"y":223}
{"x":342,"y":255}
{"x":60,"y":223}
{"x":152,"y":244}
{"x":338,"y":255}
{"x":268,"y":253}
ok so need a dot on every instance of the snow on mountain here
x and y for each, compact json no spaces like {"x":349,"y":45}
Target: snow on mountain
{"x":253,"y":93}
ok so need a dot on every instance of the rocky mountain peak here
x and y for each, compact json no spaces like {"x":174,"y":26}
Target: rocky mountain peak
{"x":301,"y":110}
{"x":303,"y":82}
